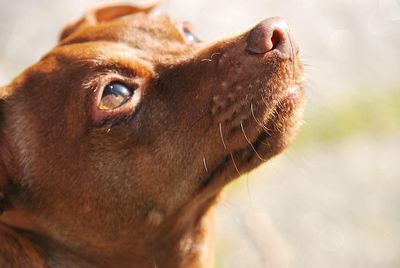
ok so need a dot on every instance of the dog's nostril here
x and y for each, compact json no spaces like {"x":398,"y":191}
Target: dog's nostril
{"x":277,"y":37}
{"x":271,"y":34}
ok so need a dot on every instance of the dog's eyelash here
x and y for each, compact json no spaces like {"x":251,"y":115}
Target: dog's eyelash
{"x":97,"y":80}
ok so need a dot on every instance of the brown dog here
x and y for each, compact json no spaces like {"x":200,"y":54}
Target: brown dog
{"x":117,"y":143}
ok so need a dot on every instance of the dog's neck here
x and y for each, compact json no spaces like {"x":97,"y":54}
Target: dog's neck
{"x":192,"y":247}
{"x":184,"y":240}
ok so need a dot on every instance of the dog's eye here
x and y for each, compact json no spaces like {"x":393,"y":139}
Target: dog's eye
{"x":114,"y":95}
{"x":189,"y":35}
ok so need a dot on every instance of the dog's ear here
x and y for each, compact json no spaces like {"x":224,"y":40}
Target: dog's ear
{"x":106,"y":12}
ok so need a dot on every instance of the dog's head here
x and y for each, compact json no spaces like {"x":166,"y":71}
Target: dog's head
{"x":131,"y":125}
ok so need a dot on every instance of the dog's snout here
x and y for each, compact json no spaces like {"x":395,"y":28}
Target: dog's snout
{"x":271,"y":34}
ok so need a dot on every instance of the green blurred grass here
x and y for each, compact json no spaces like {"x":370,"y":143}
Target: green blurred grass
{"x":372,"y":114}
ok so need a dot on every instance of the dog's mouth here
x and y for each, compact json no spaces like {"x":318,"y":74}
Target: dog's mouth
{"x":259,"y":110}
{"x":274,"y":134}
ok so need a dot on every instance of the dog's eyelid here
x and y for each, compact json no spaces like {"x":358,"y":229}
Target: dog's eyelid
{"x":121,"y":71}
{"x":108,"y":73}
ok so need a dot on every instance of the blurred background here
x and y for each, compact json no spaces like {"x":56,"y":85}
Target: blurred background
{"x":332,"y":199}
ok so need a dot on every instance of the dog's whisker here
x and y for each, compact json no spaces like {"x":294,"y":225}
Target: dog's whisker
{"x":249,"y":142}
{"x":231,"y":154}
{"x":264,"y":101}
{"x":154,"y":263}
{"x":222,"y":136}
{"x":211,"y":57}
{"x":234,"y":164}
{"x":257,"y":121}
{"x":292,"y":58}
{"x":205,"y":164}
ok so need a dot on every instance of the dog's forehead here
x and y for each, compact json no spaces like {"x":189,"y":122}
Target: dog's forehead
{"x":158,"y":35}
{"x":102,"y":53}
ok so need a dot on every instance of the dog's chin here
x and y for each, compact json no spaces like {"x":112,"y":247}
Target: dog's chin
{"x":275,"y":135}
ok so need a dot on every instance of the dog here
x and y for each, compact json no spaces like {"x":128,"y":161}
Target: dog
{"x":116,"y":145}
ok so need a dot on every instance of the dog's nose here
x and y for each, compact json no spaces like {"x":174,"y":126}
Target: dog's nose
{"x":271,"y":34}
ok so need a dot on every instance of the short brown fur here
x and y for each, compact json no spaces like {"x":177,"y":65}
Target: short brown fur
{"x":134,"y":188}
